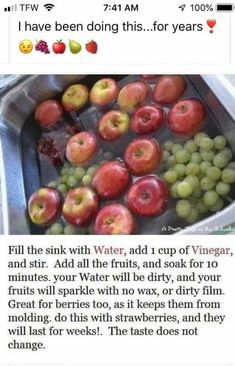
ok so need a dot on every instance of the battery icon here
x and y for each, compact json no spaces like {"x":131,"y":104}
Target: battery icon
{"x":224,"y":7}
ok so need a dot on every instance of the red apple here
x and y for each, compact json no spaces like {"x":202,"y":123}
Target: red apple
{"x":48,"y":113}
{"x":169,"y":89}
{"x":44,"y":206}
{"x":75,"y":97}
{"x":81,"y":148}
{"x":186,"y":117}
{"x":59,"y":47}
{"x":148,"y":196}
{"x":132,"y":95}
{"x":147,"y":119}
{"x":111,"y":179}
{"x":104,"y":92}
{"x":114,"y":219}
{"x":142,"y":156}
{"x":113,"y":125}
{"x":80,"y":206}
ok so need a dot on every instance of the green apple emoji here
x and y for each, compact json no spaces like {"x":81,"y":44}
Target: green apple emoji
{"x":74,"y":47}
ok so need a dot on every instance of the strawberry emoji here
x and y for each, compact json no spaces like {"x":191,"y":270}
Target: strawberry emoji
{"x":92,"y":47}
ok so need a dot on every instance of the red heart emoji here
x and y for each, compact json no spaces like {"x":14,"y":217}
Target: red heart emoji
{"x":211,"y":22}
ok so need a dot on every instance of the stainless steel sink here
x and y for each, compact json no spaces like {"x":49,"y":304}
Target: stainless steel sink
{"x":22,"y":172}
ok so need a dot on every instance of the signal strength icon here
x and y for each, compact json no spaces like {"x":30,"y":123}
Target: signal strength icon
{"x":11,"y":8}
{"x":49,"y":7}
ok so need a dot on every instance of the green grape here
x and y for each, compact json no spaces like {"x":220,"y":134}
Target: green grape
{"x":182,"y":156}
{"x":207,"y":155}
{"x":210,"y":198}
{"x":196,"y":158}
{"x":184,"y":189}
{"x":175,"y":148}
{"x":62,"y":188}
{"x":206,"y":183}
{"x":192,"y":169}
{"x":53,"y":184}
{"x":206,"y":144}
{"x":218,"y":206}
{"x":228,"y":153}
{"x":204,"y":166}
{"x":56,"y":228}
{"x":220,"y":160}
{"x":193,"y":181}
{"x":82,"y":230}
{"x":86,"y":180}
{"x":173,"y":190}
{"x":171,"y":176}
{"x":108,"y":155}
{"x":223,"y":188}
{"x":183,"y":208}
{"x":197,"y":193}
{"x":91,"y":171}
{"x":79,"y":173}
{"x":64,"y":171}
{"x":219,"y":142}
{"x":168,"y":145}
{"x":201,"y":207}
{"x":64,"y":178}
{"x":165,"y":155}
{"x":193,"y":216}
{"x":198,"y":137}
{"x":228,"y":176}
{"x":190,"y":146}
{"x":170,"y":162}
{"x":70,"y":230}
{"x":213,"y":173}
{"x":231,"y":165}
{"x":180,"y":170}
{"x":71,"y":170}
{"x":72,"y":181}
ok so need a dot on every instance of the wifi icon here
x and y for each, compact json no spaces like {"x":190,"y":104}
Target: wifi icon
{"x":49,"y":7}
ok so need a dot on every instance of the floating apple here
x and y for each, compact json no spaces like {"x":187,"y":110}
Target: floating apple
{"x":148,"y":196}
{"x":132,"y":95}
{"x":169,"y":89}
{"x":104,"y":92}
{"x":114,"y":219}
{"x":75,"y":97}
{"x":81,"y":148}
{"x":44,"y":206}
{"x":186,"y":117}
{"x":48,"y":113}
{"x":113,"y":125}
{"x":80,"y":206}
{"x":111,"y":179}
{"x":147,"y":119}
{"x":142,"y":156}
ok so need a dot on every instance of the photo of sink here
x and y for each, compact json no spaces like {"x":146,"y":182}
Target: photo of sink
{"x":25,"y":167}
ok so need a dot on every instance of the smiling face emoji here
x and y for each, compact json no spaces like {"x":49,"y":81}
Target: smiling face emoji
{"x":26,"y":46}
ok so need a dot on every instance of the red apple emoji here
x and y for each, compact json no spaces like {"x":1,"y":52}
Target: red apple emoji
{"x":48,"y":113}
{"x":147,"y":119}
{"x":142,"y":155}
{"x":104,"y":92}
{"x":59,"y":47}
{"x":81,"y":148}
{"x":113,"y":125}
{"x":92,"y":47}
{"x":186,"y":117}
{"x":111,"y":179}
{"x":169,"y":89}
{"x":148,"y":196}
{"x":132,"y":95}
{"x":80,"y":206}
{"x":44,"y":206}
{"x":75,"y":97}
{"x":114,"y":219}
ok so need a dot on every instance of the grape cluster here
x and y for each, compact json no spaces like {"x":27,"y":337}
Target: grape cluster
{"x":42,"y":46}
{"x":47,"y":147}
{"x":199,"y":173}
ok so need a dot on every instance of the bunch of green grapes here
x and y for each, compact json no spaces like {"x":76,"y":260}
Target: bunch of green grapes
{"x":199,"y":173}
{"x":60,"y":228}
